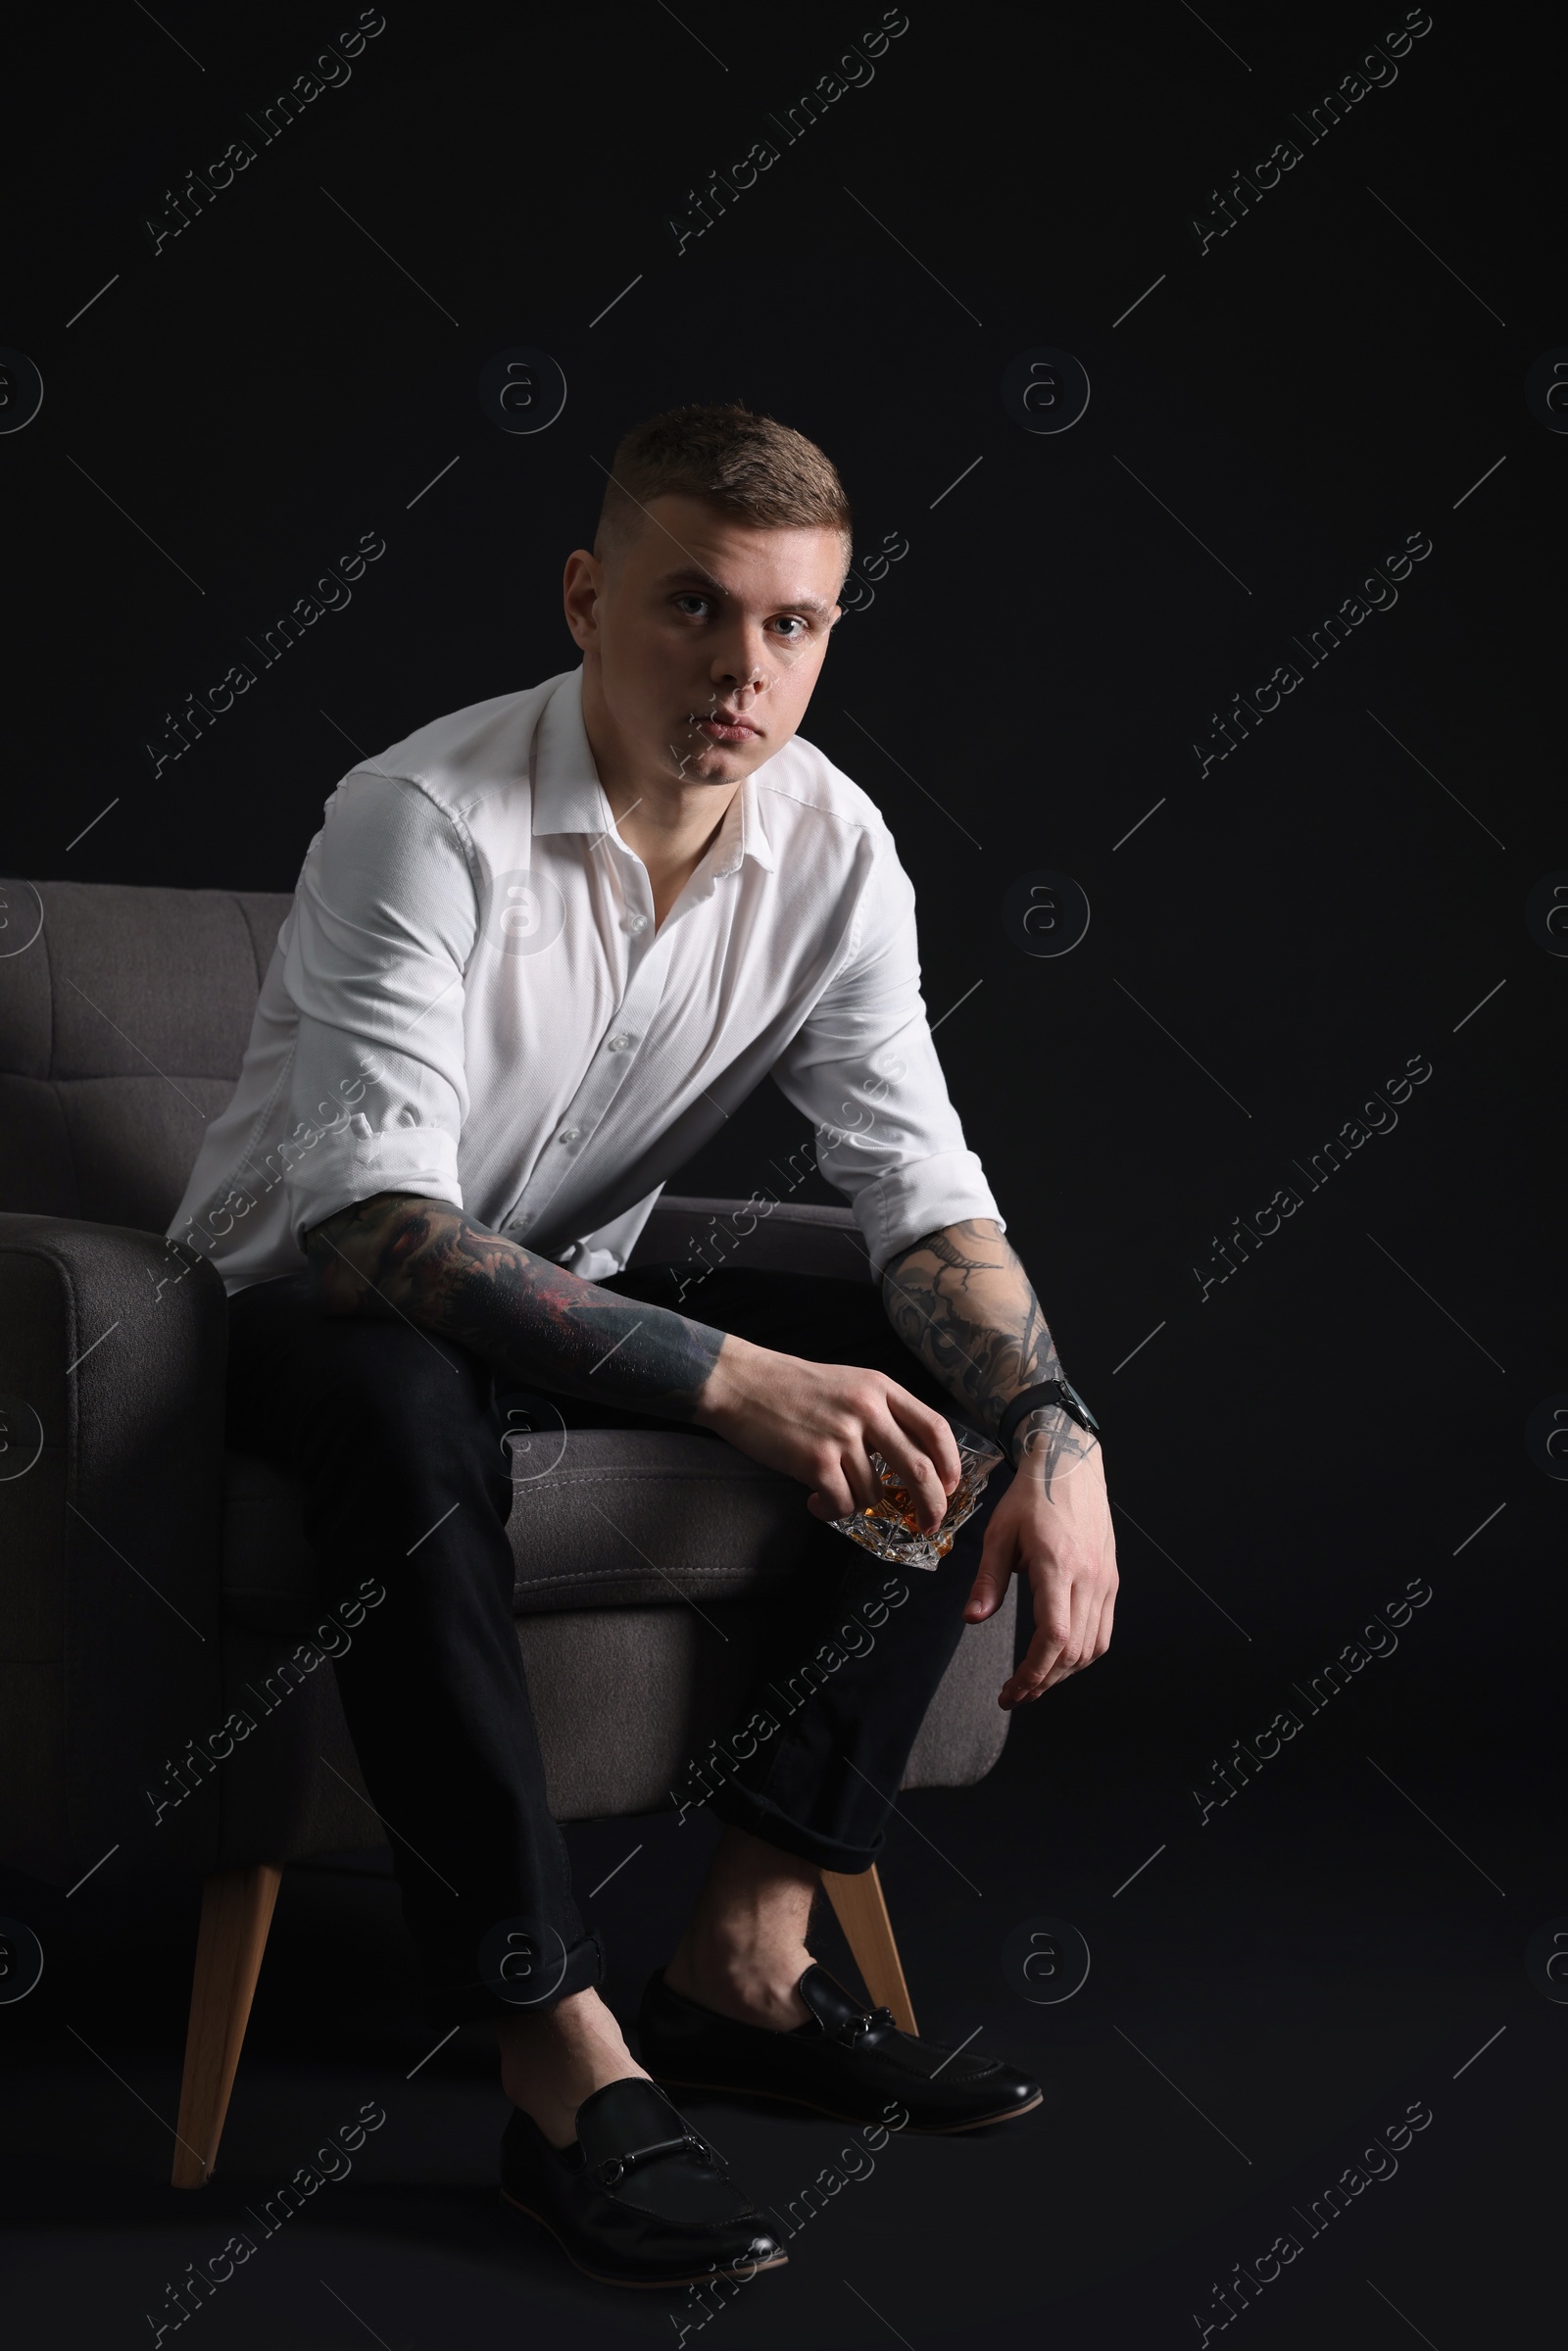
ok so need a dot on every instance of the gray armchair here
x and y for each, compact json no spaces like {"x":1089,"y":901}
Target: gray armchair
{"x":151,"y":1577}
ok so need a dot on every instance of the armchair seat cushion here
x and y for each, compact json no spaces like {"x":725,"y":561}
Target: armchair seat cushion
{"x":627,"y":1518}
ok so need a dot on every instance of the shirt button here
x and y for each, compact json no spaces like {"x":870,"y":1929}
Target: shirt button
{"x":619,"y":1041}
{"x":569,"y":1134}
{"x":636,"y":923}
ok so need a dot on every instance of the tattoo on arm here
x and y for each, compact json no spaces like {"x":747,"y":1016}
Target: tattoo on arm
{"x":961,"y":1299}
{"x":424,"y":1261}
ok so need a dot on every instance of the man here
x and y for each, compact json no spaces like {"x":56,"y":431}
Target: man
{"x":534,"y":952}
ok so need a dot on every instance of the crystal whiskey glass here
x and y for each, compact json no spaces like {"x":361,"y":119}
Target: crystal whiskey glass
{"x":890,"y":1526}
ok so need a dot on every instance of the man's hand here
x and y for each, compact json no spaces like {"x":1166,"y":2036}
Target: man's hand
{"x":424,"y":1261}
{"x":1054,"y":1526}
{"x":818,"y":1422}
{"x":961,"y":1299}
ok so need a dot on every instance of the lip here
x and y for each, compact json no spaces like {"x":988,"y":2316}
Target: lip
{"x":723,"y":726}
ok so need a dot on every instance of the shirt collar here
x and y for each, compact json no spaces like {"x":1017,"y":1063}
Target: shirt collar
{"x":569,"y":797}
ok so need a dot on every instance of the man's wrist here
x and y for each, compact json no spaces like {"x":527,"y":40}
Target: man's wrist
{"x":719,"y":1398}
{"x":1049,"y":1448}
{"x":1044,"y":1416}
{"x":1058,"y":1398}
{"x":1050,"y":1423}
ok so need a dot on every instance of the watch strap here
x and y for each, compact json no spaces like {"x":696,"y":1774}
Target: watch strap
{"x":1061,"y":1393}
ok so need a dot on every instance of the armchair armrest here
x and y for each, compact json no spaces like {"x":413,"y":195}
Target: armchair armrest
{"x":775,"y":1236}
{"x":110,"y":1541}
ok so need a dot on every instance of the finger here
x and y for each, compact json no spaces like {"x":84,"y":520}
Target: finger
{"x":928,"y":1430}
{"x":919,"y":1445}
{"x":1094,"y":1639}
{"x":845,"y":1468}
{"x":1086,"y":1604}
{"x":1038,"y":1670}
{"x":992,"y":1577}
{"x":1030,"y":1680}
{"x":833,"y":1498}
{"x":913,"y":1471}
{"x":861,"y":1475}
{"x":1104,"y":1586}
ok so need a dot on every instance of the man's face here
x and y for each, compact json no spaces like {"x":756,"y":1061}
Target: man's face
{"x":702,"y":639}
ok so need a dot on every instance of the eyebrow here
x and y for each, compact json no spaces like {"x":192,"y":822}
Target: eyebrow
{"x":692,"y":575}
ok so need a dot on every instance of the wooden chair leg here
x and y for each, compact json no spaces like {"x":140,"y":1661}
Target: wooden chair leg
{"x":863,"y":1914}
{"x":236,"y":1913}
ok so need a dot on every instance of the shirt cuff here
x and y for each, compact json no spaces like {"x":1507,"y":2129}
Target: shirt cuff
{"x":908,"y":1201}
{"x":354,"y":1165}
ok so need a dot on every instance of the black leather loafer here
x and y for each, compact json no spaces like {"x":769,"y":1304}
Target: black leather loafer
{"x":847,"y":2061}
{"x":639,"y":2198}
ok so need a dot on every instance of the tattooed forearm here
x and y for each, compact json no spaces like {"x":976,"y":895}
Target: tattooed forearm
{"x":424,"y":1261}
{"x":961,"y":1299}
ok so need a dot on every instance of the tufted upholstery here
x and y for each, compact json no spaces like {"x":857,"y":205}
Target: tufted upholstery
{"x":148,"y":1575}
{"x":121,"y":1032}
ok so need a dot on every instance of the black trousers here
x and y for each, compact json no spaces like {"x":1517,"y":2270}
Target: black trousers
{"x":398,"y":1435}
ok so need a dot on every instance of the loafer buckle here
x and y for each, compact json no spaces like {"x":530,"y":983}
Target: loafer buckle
{"x":854,"y":2027}
{"x":613,"y":2169}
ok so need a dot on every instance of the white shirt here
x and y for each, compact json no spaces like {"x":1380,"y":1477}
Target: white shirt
{"x":470,"y":1000}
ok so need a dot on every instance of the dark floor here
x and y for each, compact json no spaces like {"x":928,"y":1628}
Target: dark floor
{"x":1270,"y":1992}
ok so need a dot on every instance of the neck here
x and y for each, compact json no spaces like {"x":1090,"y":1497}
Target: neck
{"x":671,"y":838}
{"x":668,"y":818}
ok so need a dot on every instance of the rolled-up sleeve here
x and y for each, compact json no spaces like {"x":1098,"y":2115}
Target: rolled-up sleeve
{"x":383,"y":925}
{"x":864,"y":1070}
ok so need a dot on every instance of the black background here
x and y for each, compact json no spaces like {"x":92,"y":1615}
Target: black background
{"x":1279,"y":937}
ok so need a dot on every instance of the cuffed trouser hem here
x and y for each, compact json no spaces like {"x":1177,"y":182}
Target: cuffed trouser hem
{"x":474,"y":2001}
{"x":742,"y":1810}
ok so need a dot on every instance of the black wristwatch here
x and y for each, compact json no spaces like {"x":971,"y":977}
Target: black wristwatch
{"x":1048,"y":1392}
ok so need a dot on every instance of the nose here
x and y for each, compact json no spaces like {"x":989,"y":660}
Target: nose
{"x":742,"y":665}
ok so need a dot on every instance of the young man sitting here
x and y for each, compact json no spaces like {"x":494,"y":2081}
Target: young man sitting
{"x":546,"y":943}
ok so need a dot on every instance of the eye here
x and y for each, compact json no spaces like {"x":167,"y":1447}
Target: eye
{"x":690,"y":596}
{"x":793,"y":620}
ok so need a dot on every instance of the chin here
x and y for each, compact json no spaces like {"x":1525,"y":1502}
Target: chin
{"x":715,"y":762}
